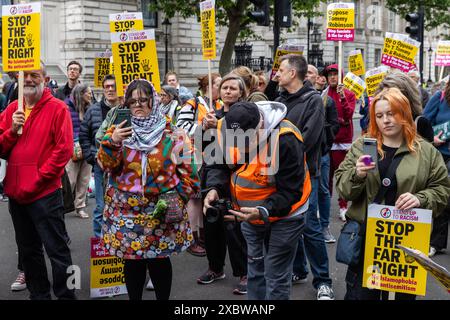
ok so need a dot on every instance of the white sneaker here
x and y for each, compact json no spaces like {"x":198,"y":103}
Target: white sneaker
{"x":150,"y":285}
{"x":432,"y":252}
{"x":325,"y":293}
{"x":342,"y":212}
{"x":20,"y":283}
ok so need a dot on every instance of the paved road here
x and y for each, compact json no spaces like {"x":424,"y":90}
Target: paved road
{"x":186,"y":267}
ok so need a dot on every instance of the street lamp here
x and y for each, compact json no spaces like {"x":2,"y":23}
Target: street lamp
{"x":430,"y":53}
{"x":166,"y":25}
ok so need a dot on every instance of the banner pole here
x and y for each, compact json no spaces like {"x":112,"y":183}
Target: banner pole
{"x":441,"y":74}
{"x":340,"y":63}
{"x":210,"y":86}
{"x":20,"y":96}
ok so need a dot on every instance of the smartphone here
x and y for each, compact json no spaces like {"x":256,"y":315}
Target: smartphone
{"x":122,"y":115}
{"x":370,"y":148}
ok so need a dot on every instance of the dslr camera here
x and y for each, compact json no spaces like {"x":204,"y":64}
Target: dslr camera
{"x":219,"y":208}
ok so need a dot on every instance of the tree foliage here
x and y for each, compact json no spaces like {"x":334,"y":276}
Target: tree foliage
{"x":437,"y":12}
{"x":232,"y":14}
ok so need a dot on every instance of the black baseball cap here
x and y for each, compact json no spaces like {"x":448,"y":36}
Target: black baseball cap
{"x":242,"y":115}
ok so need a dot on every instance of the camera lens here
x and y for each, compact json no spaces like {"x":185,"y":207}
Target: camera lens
{"x":212,"y":215}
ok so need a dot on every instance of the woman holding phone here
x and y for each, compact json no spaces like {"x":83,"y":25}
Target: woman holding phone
{"x":150,"y":168}
{"x":420,"y":180}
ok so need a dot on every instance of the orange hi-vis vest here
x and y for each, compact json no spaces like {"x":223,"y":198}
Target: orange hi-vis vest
{"x":250,"y":187}
{"x":201,"y":108}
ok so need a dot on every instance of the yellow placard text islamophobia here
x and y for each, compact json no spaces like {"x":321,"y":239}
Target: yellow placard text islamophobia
{"x":135,"y":57}
{"x":282,"y":52}
{"x":374,"y":78}
{"x":356,"y":63}
{"x":208,"y":28}
{"x":21,"y":37}
{"x":101,"y":68}
{"x":107,"y":277}
{"x":385,"y":266}
{"x":354,"y":84}
{"x":126,"y":21}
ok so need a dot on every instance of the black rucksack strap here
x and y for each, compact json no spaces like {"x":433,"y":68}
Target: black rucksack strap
{"x":390,"y":175}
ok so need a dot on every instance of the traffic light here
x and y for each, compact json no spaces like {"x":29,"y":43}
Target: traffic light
{"x":260,"y":13}
{"x":415,"y":28}
{"x":285,"y":13}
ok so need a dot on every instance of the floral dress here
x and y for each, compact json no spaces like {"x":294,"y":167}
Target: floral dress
{"x":129,"y":230}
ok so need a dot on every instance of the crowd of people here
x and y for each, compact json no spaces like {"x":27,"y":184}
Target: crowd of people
{"x":159,"y":190}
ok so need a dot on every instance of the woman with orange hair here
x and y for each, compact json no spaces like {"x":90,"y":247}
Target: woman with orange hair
{"x":420,"y":179}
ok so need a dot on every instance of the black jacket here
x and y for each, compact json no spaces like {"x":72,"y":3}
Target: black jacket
{"x":63,"y":92}
{"x":289,"y":178}
{"x":93,"y":119}
{"x":305,"y":109}
{"x":331,"y":125}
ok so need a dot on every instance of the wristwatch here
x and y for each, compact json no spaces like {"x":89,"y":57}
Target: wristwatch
{"x":264,"y":214}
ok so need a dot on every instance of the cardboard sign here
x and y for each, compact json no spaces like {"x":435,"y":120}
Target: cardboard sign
{"x":208,"y":23}
{"x":21,"y":37}
{"x":385,"y":266}
{"x":135,"y":57}
{"x":374,"y":78}
{"x":399,"y":51}
{"x":356,"y":62}
{"x":126,"y":21}
{"x":101,"y":68}
{"x":107,"y":278}
{"x":341,"y":22}
{"x":355,"y":84}
{"x":283,"y":50}
{"x":443,"y":54}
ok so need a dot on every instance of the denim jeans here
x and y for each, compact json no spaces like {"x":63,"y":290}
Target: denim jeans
{"x":271,"y":253}
{"x":313,"y":243}
{"x":40,"y":224}
{"x":99,"y":201}
{"x":324,"y":196}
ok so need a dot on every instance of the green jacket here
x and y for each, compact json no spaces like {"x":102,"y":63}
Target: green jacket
{"x":109,"y":120}
{"x":423,"y":174}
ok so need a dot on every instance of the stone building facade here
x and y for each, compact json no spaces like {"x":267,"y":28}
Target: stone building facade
{"x":78,"y":29}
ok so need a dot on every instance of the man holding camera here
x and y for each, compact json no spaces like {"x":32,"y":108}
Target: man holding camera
{"x":265,"y":181}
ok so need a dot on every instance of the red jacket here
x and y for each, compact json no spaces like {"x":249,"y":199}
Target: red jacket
{"x":37,"y":158}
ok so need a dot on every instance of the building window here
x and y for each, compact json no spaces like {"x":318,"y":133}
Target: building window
{"x":150,"y":17}
{"x":391,"y":26}
{"x":377,"y":57}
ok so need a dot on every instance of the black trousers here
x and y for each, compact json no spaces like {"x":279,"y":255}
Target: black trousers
{"x":38,"y":224}
{"x":439,"y":233}
{"x":220,"y":235}
{"x":160,"y":270}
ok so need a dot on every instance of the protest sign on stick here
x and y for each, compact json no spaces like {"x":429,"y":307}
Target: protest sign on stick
{"x":340,"y":27}
{"x":374,"y":78}
{"x":399,"y":51}
{"x":356,"y":62}
{"x":355,"y":84}
{"x":125,"y":21}
{"x":208,"y":29}
{"x":21,"y":38}
{"x":284,"y":49}
{"x":135,"y":57}
{"x":385,"y":267}
{"x":102,"y":67}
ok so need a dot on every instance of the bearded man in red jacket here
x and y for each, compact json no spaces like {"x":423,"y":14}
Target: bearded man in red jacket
{"x":36,"y":161}
{"x":345,"y":104}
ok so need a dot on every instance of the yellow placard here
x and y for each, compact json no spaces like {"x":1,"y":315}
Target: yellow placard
{"x":373,"y":79}
{"x":356,"y":63}
{"x":21,"y":37}
{"x":135,"y":57}
{"x":385,"y":266}
{"x":101,"y":69}
{"x":208,"y":29}
{"x":126,"y":21}
{"x":354,"y":84}
{"x":282,"y":52}
{"x":107,"y":277}
{"x":111,"y":65}
{"x":443,"y":53}
{"x":400,"y":47}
